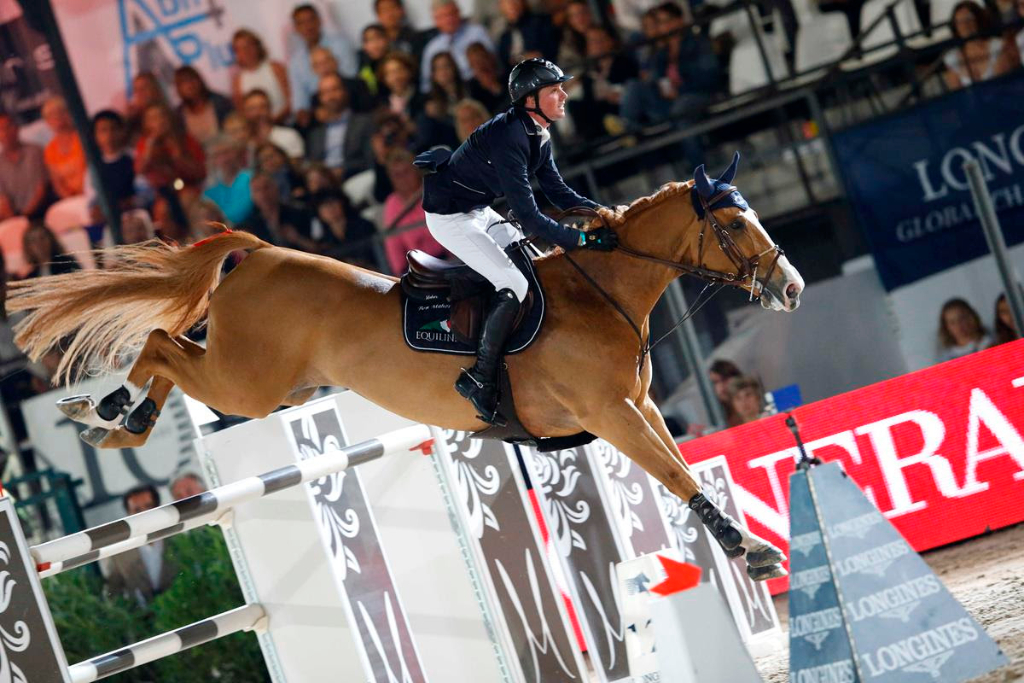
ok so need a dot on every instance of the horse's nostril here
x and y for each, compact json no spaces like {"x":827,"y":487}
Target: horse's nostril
{"x":792,"y":291}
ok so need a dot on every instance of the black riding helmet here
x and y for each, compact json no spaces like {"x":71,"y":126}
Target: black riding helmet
{"x":529,"y":76}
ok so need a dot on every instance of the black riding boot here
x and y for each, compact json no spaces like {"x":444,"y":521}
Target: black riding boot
{"x":480,"y":383}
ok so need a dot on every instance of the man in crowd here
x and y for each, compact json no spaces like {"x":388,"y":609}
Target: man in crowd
{"x":401,"y":36}
{"x":273,"y":219}
{"x":343,"y":140}
{"x":303,"y":82}
{"x":24,"y":185}
{"x":526,"y":34}
{"x":258,"y":114}
{"x":187,"y":485}
{"x":145,"y":572}
{"x":64,"y":155}
{"x":454,"y":35}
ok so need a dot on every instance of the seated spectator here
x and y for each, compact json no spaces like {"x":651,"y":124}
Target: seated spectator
{"x":403,"y":214}
{"x":44,"y":253}
{"x":272,"y":160}
{"x":1005,"y":329}
{"x":136,"y":227}
{"x":230,"y":188}
{"x":572,"y":49}
{"x":275,"y":220}
{"x":186,"y":485}
{"x":202,"y":109}
{"x":256,"y":71}
{"x":685,"y":75}
{"x":445,"y":81}
{"x":960,"y":331}
{"x":64,"y":155}
{"x":346,"y":235}
{"x":609,"y":70}
{"x":375,"y":46}
{"x":391,"y":132}
{"x":397,"y":73}
{"x":434,"y":127}
{"x":343,"y":139}
{"x":116,"y":167}
{"x":172,"y":162}
{"x":526,"y":34}
{"x":454,"y":36}
{"x":141,"y":573}
{"x":257,"y":111}
{"x":309,"y":34}
{"x":146,"y":91}
{"x":169,"y":227}
{"x":982,"y":56}
{"x":24,"y":180}
{"x":236,"y":127}
{"x":323,"y":64}
{"x":319,"y":178}
{"x":401,"y":36}
{"x":469,"y":115}
{"x":746,"y":399}
{"x":720,"y":373}
{"x":488,"y":85}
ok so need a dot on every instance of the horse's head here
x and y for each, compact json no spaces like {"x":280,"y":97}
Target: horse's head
{"x":734,"y":247}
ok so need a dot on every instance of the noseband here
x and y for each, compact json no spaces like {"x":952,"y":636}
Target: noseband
{"x":746,"y":268}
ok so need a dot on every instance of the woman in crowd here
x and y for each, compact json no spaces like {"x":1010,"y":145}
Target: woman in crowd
{"x":375,"y":47}
{"x":983,"y":55}
{"x":44,"y":253}
{"x":146,"y":91}
{"x":346,"y":235}
{"x":171,"y":160}
{"x":256,"y":71}
{"x":960,"y":331}
{"x":720,"y":373}
{"x":272,"y":160}
{"x":469,"y":115}
{"x":445,"y":81}
{"x":403,"y":214}
{"x":488,"y":83}
{"x":397,"y":73}
{"x":746,"y":400}
{"x":202,"y":109}
{"x":572,"y":52}
{"x":1005,"y":329}
{"x":319,"y":178}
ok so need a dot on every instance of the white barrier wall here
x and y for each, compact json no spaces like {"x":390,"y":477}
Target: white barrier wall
{"x":281,"y":563}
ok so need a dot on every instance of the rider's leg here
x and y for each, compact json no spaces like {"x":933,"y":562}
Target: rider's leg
{"x":466,"y":236}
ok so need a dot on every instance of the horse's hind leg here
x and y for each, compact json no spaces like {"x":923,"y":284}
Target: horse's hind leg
{"x":134,"y":430}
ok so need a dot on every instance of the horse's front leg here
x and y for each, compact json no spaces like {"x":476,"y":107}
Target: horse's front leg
{"x":640,"y":433}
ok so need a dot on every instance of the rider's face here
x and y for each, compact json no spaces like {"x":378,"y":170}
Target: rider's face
{"x":551,"y":101}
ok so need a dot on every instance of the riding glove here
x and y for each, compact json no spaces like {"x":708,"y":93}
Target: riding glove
{"x":602,"y":239}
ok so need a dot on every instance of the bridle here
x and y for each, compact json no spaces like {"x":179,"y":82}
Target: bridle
{"x":745,"y":268}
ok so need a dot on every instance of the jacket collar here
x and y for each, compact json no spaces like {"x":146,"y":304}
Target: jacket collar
{"x":531,"y":127}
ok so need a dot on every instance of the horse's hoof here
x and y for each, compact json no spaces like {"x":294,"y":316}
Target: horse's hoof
{"x":775,"y":571}
{"x":94,"y":436}
{"x":82,"y":409}
{"x":761,"y":553}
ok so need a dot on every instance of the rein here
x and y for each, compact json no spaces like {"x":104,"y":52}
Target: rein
{"x":746,"y":269}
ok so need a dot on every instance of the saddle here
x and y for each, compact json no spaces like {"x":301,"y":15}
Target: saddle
{"x":453,"y":298}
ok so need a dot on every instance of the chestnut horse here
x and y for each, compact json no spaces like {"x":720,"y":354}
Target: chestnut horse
{"x":285,"y":322}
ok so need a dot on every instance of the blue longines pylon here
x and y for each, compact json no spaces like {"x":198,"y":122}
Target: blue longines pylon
{"x":863,"y":606}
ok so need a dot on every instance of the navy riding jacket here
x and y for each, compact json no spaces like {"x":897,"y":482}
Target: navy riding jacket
{"x":499,"y":159}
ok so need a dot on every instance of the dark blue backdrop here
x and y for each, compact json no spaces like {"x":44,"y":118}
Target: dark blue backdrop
{"x":904,"y":178}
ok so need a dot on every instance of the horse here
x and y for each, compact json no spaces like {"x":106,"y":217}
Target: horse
{"x":284,"y":323}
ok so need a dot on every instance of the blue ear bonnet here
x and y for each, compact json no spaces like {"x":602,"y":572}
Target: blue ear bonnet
{"x":708,"y":188}
{"x":734,"y":198}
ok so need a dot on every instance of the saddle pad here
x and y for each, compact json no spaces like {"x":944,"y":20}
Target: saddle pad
{"x":426,"y":328}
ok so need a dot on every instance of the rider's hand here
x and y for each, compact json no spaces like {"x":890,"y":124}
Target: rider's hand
{"x":602,"y":239}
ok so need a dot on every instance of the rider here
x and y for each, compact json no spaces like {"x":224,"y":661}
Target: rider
{"x":499,"y":159}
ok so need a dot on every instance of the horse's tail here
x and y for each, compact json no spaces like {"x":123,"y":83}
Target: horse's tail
{"x":99,"y":317}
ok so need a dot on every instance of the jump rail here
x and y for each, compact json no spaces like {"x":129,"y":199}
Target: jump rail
{"x":245,"y":618}
{"x":86,"y":546}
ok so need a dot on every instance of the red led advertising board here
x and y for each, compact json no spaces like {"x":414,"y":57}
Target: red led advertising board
{"x":939,"y":451}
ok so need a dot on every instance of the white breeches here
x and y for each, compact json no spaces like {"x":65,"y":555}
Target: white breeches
{"x":479,"y":238}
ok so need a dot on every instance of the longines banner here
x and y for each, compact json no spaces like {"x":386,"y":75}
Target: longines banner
{"x":905,"y":180}
{"x":939,"y":451}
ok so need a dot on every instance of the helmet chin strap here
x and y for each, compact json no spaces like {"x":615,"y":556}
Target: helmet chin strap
{"x":537,"y":109}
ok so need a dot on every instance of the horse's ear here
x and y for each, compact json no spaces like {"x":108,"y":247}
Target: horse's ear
{"x":700,"y":177}
{"x":730,"y":173}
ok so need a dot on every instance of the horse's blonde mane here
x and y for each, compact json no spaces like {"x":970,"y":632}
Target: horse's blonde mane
{"x":625,"y":212}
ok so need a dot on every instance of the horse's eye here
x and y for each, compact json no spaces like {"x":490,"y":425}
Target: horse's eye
{"x":736,"y":225}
